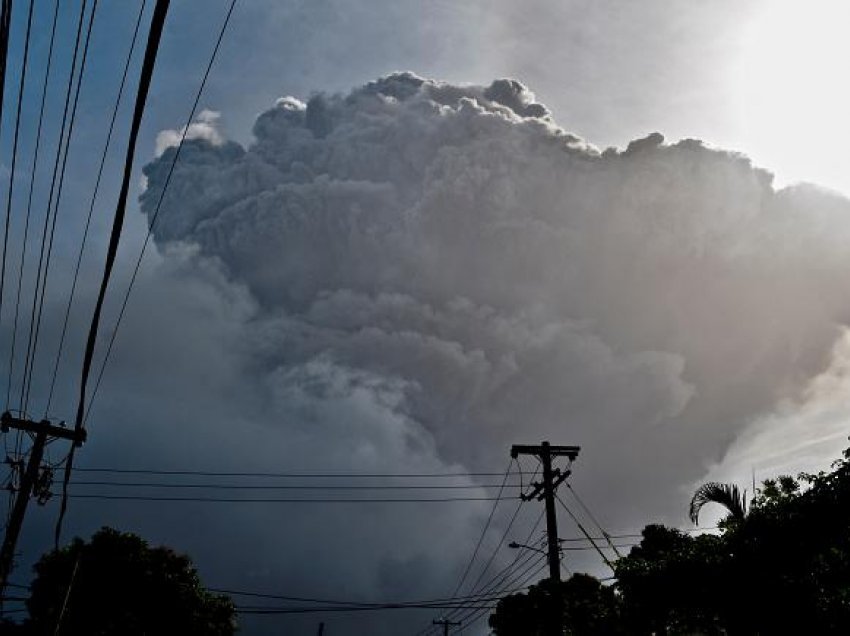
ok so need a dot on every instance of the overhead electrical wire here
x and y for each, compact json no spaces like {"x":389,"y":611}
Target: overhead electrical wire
{"x":33,"y":172}
{"x":157,"y":210}
{"x":219,"y":473}
{"x":468,"y":620}
{"x":44,"y":260}
{"x":287,"y":500}
{"x":91,"y":206}
{"x":154,"y":35}
{"x":9,"y":192}
{"x":585,"y":532}
{"x":5,"y":22}
{"x":593,"y":519}
{"x":24,"y":65}
{"x":307,"y":599}
{"x":515,"y":579}
{"x":124,"y":484}
{"x":504,"y":536}
{"x":498,"y":580}
{"x":483,"y":533}
{"x":334,"y":608}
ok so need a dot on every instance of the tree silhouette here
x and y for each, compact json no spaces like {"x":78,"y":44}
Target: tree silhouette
{"x":781,"y":567}
{"x":727,"y":495}
{"x":118,"y":584}
{"x":588,"y":609}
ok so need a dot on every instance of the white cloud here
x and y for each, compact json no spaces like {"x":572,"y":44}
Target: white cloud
{"x":204,"y":127}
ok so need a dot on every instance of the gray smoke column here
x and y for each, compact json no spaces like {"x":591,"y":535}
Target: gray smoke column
{"x":454,"y":254}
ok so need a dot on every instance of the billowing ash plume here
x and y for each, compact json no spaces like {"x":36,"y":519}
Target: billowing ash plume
{"x":489,"y":278}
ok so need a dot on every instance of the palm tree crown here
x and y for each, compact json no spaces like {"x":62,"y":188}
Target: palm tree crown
{"x":727,"y":495}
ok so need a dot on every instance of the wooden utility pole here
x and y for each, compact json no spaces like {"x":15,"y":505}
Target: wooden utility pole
{"x":545,"y":491}
{"x":446,"y":624}
{"x":43,"y":431}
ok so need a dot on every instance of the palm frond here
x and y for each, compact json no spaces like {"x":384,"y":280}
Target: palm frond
{"x":727,"y":495}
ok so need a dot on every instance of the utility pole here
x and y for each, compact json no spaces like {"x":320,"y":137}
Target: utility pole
{"x":30,"y":482}
{"x":446,"y":623}
{"x":321,"y":629}
{"x":545,"y":491}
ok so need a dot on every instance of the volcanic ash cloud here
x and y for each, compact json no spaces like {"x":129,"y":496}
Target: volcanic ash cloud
{"x":490,"y":278}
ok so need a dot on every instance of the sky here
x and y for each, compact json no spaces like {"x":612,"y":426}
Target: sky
{"x":405,"y":235}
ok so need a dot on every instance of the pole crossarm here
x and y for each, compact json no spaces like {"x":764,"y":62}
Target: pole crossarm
{"x":570,"y":452}
{"x":7,"y":421}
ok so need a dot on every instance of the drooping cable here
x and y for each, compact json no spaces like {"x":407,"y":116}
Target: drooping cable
{"x":345,"y":603}
{"x":154,"y":35}
{"x":219,"y":473}
{"x":91,"y":208}
{"x":12,"y":182}
{"x":584,"y":532}
{"x":530,"y":570}
{"x":281,"y":500}
{"x":28,"y":215}
{"x":508,"y":580}
{"x":594,"y":521}
{"x":498,"y":580}
{"x":483,"y":533}
{"x":503,"y":537}
{"x":478,"y":614}
{"x":5,"y":22}
{"x":42,"y":273}
{"x":158,"y":207}
{"x":134,"y":485}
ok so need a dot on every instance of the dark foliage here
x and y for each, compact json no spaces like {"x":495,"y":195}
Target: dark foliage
{"x":586,"y":607}
{"x":783,"y":567}
{"x":123,"y":586}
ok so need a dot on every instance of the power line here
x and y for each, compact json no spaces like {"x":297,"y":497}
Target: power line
{"x":120,"y":484}
{"x":475,"y":602}
{"x":157,"y":210}
{"x":5,"y":21}
{"x":92,"y":203}
{"x":514,"y":581}
{"x":503,"y":537}
{"x":28,"y":215}
{"x":334,"y":608}
{"x":483,"y":533}
{"x":305,"y":599}
{"x":12,"y":183}
{"x":309,"y":475}
{"x":500,"y":579}
{"x":36,"y":328}
{"x":287,"y":500}
{"x":594,"y":520}
{"x":501,"y":540}
{"x":154,"y":35}
{"x":584,"y":532}
{"x":470,"y":619}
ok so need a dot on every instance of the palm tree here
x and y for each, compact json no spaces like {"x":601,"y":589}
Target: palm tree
{"x":727,"y":495}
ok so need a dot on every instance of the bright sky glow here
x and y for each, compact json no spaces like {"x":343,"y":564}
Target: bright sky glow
{"x":790,"y":91}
